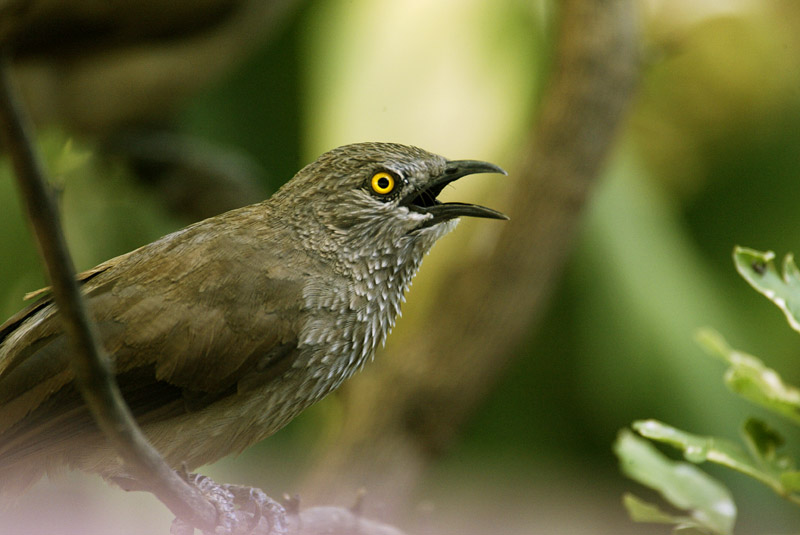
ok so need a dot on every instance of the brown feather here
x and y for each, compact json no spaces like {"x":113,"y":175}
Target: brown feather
{"x":182,"y":336}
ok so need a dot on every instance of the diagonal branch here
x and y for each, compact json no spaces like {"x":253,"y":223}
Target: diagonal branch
{"x":89,"y":363}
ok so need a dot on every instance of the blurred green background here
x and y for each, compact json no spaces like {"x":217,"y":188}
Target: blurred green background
{"x":709,"y":158}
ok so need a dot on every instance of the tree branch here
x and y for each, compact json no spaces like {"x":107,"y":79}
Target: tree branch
{"x":89,"y":363}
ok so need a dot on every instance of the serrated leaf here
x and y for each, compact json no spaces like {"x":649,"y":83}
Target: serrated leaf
{"x":751,"y":379}
{"x":758,"y":269}
{"x":683,"y":485}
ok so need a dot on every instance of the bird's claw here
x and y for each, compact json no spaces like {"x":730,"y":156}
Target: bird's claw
{"x":259,"y":507}
{"x":240,"y":509}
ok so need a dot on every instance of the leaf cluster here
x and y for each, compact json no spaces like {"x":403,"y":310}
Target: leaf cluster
{"x":706,"y":505}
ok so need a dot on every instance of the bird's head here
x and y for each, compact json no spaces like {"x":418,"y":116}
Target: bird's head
{"x":370,"y":212}
{"x":366,"y":191}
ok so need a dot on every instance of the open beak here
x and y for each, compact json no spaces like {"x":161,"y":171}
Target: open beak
{"x":423,"y":200}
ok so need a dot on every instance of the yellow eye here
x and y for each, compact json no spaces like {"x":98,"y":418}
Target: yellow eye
{"x":382,"y":183}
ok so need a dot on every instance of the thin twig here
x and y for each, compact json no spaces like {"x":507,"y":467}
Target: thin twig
{"x":90,"y":365}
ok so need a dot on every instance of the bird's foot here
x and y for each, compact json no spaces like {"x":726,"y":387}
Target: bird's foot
{"x":267,"y":516}
{"x":240,"y":509}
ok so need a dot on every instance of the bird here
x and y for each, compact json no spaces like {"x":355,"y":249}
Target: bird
{"x":224,"y":331}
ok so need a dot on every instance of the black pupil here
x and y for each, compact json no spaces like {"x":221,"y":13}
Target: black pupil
{"x":383,"y":182}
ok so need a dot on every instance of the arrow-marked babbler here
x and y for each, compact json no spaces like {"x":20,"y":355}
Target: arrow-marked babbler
{"x":224,"y":331}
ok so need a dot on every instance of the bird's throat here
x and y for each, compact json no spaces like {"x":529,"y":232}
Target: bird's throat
{"x":352,"y":315}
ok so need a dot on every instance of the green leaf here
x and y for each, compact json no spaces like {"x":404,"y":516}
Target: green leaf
{"x":759,"y":270}
{"x":683,"y":485}
{"x":764,"y":443}
{"x":697,"y":449}
{"x":751,"y":379}
{"x":642,"y":511}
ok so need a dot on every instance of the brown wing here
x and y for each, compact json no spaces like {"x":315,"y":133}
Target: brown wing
{"x":44,"y":299}
{"x":187,"y":320}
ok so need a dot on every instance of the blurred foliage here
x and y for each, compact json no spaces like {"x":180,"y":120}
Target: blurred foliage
{"x":710,"y":505}
{"x":105,"y":214}
{"x":257,"y":108}
{"x":708,"y":159}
